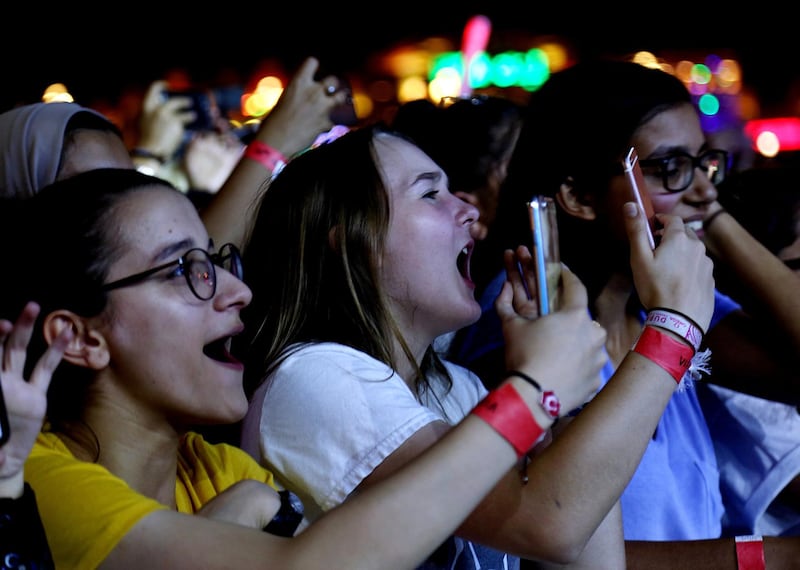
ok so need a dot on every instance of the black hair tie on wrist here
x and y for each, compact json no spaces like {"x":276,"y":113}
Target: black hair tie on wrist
{"x":711,"y":218}
{"x":288,"y":517}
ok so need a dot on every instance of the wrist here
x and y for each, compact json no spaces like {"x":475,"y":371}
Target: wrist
{"x":683,"y":326}
{"x":143,"y":154}
{"x":512,"y":417}
{"x":267,"y":156}
{"x":673,"y":355}
{"x":12,"y":487}
{"x":548,"y":401}
{"x":750,"y":553}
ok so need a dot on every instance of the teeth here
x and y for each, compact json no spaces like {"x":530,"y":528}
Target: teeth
{"x":695,"y":225}
{"x":465,"y":251}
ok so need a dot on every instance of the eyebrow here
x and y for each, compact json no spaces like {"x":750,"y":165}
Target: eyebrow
{"x":426,"y":176}
{"x":179,"y":248}
{"x":665,"y":151}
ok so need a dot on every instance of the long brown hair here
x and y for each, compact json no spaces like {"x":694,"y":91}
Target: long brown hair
{"x":311,"y":258}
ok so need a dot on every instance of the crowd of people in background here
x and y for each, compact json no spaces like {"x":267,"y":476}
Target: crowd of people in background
{"x":316,"y":345}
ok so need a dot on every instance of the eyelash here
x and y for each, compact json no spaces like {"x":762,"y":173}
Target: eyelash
{"x":430,"y":194}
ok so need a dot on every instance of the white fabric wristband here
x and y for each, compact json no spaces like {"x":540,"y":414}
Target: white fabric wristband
{"x":676,"y":323}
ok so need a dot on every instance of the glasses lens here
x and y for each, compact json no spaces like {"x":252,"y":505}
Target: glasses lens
{"x":201,"y":274}
{"x":678,"y":172}
{"x":714,"y":162}
{"x":230,"y":260}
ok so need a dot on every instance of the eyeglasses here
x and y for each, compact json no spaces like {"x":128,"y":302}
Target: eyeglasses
{"x":677,"y":169}
{"x":448,"y":100}
{"x":196,"y":266}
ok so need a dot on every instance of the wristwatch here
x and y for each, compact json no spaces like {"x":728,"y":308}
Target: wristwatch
{"x":288,"y":517}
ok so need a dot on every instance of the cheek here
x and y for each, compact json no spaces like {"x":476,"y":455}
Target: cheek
{"x":665,"y":203}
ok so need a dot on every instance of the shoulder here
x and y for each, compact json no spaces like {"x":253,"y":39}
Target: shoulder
{"x":222,"y":463}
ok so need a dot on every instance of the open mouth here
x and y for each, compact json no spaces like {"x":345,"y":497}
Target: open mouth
{"x":462,"y":262}
{"x":220,"y":350}
{"x":695,"y":225}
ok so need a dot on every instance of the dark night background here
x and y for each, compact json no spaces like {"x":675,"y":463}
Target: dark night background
{"x":99,"y":52}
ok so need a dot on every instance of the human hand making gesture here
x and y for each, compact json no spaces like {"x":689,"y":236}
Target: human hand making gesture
{"x":25,"y":400}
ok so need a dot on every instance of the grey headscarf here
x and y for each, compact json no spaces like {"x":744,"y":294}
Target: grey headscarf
{"x":31,"y":144}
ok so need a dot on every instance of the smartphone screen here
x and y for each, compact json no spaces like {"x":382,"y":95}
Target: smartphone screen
{"x":5,"y":432}
{"x":546,"y":256}
{"x":633,"y":173}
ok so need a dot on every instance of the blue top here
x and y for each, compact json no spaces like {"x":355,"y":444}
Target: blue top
{"x":674,"y":493}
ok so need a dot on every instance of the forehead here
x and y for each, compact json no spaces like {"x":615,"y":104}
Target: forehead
{"x":677,"y":128}
{"x":401,"y":161}
{"x":154,"y":216}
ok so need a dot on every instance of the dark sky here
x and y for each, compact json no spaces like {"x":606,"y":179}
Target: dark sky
{"x":98,"y":53}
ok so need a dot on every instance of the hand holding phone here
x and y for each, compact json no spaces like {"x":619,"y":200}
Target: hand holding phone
{"x":203,"y":105}
{"x":633,"y":173}
{"x":546,"y":256}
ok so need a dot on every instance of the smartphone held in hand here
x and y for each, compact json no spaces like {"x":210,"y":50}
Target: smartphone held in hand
{"x":546,"y":256}
{"x":633,"y":173}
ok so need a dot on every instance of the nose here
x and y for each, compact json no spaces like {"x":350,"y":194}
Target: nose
{"x":468,"y":212}
{"x":701,"y":190}
{"x":231,"y":291}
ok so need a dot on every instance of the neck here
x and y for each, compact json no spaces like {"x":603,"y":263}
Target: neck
{"x":144,"y":456}
{"x":611,"y":311}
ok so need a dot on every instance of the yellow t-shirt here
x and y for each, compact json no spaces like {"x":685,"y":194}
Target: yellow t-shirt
{"x":86,"y":509}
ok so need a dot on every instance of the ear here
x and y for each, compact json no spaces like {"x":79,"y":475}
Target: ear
{"x":333,"y":235}
{"x":88,"y":346}
{"x":571,"y":204}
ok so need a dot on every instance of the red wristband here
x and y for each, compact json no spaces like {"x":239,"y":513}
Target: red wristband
{"x":508,"y":414}
{"x":272,"y":159}
{"x":750,"y":553}
{"x":670,"y":354}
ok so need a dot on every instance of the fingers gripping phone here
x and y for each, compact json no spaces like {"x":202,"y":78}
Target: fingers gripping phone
{"x":633,"y":173}
{"x":546,"y":256}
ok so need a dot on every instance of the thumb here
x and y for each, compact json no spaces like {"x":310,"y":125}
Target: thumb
{"x":637,"y":229}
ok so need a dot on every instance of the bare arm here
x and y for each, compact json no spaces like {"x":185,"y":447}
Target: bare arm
{"x":302,"y":113}
{"x":388,"y":514}
{"x":757,"y":355}
{"x":599,"y":451}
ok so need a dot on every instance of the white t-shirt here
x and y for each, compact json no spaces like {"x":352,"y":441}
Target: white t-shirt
{"x":330,"y":414}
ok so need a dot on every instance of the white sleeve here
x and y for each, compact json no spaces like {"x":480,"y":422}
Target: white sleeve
{"x":328,"y":417}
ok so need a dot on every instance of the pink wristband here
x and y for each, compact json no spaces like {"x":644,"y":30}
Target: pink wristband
{"x":677,"y":323}
{"x":672,"y":355}
{"x":508,"y":414}
{"x":270,"y":158}
{"x":750,"y":553}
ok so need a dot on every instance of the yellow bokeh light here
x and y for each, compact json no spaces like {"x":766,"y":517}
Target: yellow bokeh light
{"x":57,"y":92}
{"x":411,"y":88}
{"x":768,"y":144}
{"x":362,"y":104}
{"x":646,"y":59}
